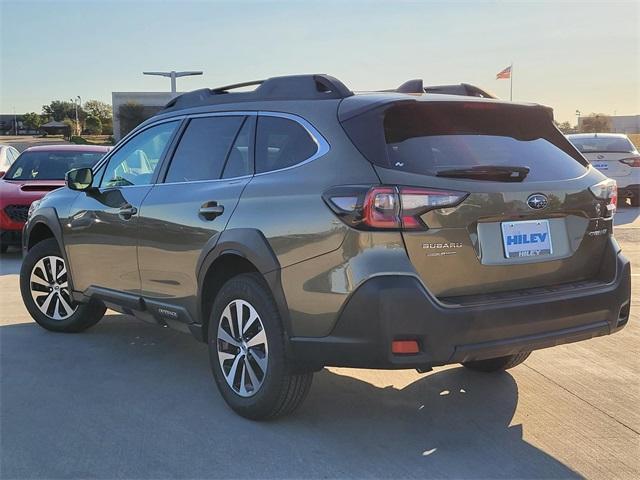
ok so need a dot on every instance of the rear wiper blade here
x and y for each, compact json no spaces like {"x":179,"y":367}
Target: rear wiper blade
{"x":501,"y":173}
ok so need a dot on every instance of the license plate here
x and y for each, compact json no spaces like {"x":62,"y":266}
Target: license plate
{"x":601,"y":165}
{"x":529,"y":238}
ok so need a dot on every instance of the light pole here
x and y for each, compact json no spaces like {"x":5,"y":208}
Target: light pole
{"x":77,"y":101}
{"x":173,"y":75}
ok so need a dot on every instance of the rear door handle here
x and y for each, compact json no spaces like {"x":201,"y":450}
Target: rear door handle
{"x":211,"y":210}
{"x":127,"y":211}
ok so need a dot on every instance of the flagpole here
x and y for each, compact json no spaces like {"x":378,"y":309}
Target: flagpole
{"x":511,"y":86}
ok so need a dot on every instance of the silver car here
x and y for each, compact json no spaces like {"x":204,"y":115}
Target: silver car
{"x":615,"y":156}
{"x":8,"y":155}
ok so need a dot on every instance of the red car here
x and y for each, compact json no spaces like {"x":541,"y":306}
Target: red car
{"x":37,"y":170}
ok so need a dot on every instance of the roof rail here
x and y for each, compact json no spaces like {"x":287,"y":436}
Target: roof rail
{"x":293,"y":87}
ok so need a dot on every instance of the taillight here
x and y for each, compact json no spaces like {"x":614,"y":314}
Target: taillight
{"x":388,"y":207}
{"x":606,"y":190}
{"x":632,"y":162}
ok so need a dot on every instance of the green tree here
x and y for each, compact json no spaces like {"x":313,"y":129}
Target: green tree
{"x":32,"y":120}
{"x":107,"y":126}
{"x":58,"y":110}
{"x":98,"y":109}
{"x":130,"y":114}
{"x":71,"y":127}
{"x":93,"y":125}
{"x":566,"y":127}
{"x":596,"y":123}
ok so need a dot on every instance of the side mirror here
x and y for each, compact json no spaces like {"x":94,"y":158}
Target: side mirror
{"x":2,"y":173}
{"x":79,"y":179}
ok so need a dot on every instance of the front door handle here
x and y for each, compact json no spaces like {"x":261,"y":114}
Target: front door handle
{"x":127,"y":211}
{"x":211,"y":210}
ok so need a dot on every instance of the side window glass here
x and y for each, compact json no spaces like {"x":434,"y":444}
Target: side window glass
{"x":203,"y":148}
{"x":136,"y":162}
{"x":239,"y":162}
{"x":281,"y":143}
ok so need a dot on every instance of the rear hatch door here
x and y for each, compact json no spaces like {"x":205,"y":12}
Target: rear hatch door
{"x":529,"y":216}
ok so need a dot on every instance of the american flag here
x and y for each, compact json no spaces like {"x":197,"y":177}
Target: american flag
{"x":506,"y":73}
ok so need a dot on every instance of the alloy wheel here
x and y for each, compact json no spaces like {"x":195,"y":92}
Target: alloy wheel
{"x":49,"y":288}
{"x":242,"y":348}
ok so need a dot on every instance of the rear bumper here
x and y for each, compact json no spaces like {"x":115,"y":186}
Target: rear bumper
{"x":398,"y":307}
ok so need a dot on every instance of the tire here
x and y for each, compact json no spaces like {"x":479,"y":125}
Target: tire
{"x":3,"y":247}
{"x":263,"y":384}
{"x":497,"y":364}
{"x":39,"y":287}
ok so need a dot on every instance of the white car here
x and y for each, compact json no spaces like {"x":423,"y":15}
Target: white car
{"x":8,"y":155}
{"x":615,"y":156}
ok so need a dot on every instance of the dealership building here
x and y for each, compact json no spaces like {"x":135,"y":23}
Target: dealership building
{"x":620,"y":123}
{"x":151,"y":103}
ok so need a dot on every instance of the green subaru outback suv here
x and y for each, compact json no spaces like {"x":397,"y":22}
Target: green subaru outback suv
{"x":300,"y":225}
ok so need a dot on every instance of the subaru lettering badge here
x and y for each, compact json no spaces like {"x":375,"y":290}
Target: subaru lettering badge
{"x":537,"y":201}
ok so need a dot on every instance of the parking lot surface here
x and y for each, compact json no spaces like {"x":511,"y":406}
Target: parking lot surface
{"x":130,"y":400}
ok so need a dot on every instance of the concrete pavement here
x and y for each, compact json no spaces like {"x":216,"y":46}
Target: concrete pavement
{"x":130,"y":400}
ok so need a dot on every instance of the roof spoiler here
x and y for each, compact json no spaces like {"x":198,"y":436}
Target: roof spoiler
{"x":292,"y":87}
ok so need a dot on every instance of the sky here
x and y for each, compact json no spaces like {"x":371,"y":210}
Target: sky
{"x":566,"y":54}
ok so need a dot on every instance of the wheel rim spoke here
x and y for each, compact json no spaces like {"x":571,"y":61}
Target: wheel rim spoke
{"x":231,"y":376}
{"x":243,"y":385}
{"x":49,"y":279}
{"x":45,"y":306}
{"x":225,"y":337}
{"x":258,"y":339}
{"x":252,"y":375}
{"x":67,"y":308}
{"x":261,"y":361}
{"x":242,"y":348}
{"x":253,"y":316}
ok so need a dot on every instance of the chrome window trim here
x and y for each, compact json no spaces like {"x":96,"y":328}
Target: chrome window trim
{"x":322,"y":146}
{"x":230,"y":179}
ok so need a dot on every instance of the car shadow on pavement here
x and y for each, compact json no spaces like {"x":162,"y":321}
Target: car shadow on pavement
{"x":129,"y":400}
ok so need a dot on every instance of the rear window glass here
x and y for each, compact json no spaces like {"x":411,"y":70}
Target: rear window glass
{"x":432,"y":138}
{"x":603,"y":144}
{"x":52,"y":165}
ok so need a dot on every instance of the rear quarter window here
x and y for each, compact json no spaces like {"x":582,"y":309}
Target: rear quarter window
{"x":281,"y":143}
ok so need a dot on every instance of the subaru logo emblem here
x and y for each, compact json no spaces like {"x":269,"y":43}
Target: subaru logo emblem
{"x":537,"y":201}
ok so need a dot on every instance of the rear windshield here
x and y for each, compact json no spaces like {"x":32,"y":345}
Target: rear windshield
{"x":603,"y":144}
{"x":430,"y":139}
{"x":52,"y":165}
